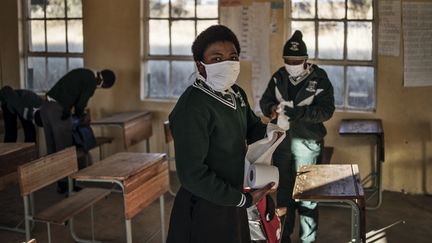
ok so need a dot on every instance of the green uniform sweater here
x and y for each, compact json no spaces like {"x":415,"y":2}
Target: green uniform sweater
{"x":210,"y":136}
{"x":74,"y":90}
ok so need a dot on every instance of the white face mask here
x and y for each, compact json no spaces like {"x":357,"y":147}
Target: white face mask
{"x":295,"y":70}
{"x":222,"y":75}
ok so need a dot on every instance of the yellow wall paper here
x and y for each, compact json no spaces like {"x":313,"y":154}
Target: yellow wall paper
{"x":112,"y":40}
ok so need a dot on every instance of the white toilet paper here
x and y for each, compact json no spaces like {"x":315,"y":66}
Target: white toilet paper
{"x":260,"y":175}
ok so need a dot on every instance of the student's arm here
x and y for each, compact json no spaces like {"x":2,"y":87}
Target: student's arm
{"x":87,"y":92}
{"x":322,"y":108}
{"x":268,"y":100}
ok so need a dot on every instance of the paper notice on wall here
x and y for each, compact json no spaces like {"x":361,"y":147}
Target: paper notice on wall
{"x":417,"y":32}
{"x":251,"y":24}
{"x":389,"y":27}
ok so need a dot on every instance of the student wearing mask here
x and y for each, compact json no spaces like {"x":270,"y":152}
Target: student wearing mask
{"x":302,"y":93}
{"x":23,"y":105}
{"x":210,"y":124}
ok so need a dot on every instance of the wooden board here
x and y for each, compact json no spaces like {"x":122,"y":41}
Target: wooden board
{"x":46,"y":170}
{"x":119,"y":166}
{"x":335,"y":181}
{"x":361,"y":127}
{"x":120,"y":118}
{"x":137,"y":130}
{"x":144,"y":188}
{"x":13,"y":155}
{"x":71,"y":206}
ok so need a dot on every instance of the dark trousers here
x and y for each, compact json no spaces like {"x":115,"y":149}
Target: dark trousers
{"x":58,"y":131}
{"x":11,"y":128}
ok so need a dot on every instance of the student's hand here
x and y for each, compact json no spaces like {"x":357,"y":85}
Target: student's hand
{"x":274,"y":114}
{"x":260,"y":193}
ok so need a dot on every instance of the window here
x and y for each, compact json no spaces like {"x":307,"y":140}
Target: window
{"x":339,"y":35}
{"x":54,"y":43}
{"x":172,"y":26}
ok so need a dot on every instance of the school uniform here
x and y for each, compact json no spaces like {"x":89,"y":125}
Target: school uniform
{"x":72,"y":91}
{"x":19,"y":104}
{"x":210,"y":131}
{"x":313,"y":99}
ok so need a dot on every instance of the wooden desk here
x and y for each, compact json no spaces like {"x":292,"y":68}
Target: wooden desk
{"x":369,"y":127}
{"x":334,"y":183}
{"x":136,"y":126}
{"x":143,"y":177}
{"x":13,"y":155}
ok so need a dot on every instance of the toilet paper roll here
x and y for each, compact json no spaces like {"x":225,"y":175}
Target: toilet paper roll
{"x":260,"y":175}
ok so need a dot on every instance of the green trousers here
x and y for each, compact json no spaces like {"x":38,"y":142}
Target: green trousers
{"x":291,"y":154}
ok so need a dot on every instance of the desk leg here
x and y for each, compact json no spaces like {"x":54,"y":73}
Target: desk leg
{"x":148,"y":145}
{"x":162,"y":216}
{"x":357,"y":222}
{"x":128,"y":231}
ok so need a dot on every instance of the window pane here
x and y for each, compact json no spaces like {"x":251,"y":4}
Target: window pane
{"x":330,"y":40}
{"x":308,"y":30}
{"x":183,"y":34}
{"x":336,"y":76}
{"x":207,"y":9}
{"x":74,"y":8}
{"x":75,"y":36}
{"x":359,"y":41}
{"x":158,"y":79}
{"x":183,"y":8}
{"x":204,"y":24}
{"x":37,"y":35}
{"x":360,"y":9}
{"x":182,"y":76}
{"x":36,"y":77}
{"x":56,"y":70}
{"x":55,"y":8}
{"x":75,"y":62}
{"x":361,"y":88}
{"x":331,"y":9}
{"x":158,"y":8}
{"x":159,"y":37}
{"x":56,"y":36}
{"x":36,"y":8}
{"x":303,"y":8}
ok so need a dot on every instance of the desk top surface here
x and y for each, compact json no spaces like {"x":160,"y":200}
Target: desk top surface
{"x":120,"y":118}
{"x":335,"y":181}
{"x":9,"y":148}
{"x":361,"y":127}
{"x":119,"y":166}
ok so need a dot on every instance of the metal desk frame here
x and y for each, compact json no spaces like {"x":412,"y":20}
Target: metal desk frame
{"x":359,"y":127}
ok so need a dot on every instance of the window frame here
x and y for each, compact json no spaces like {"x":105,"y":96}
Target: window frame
{"x":146,"y":56}
{"x":344,"y":62}
{"x":27,"y":53}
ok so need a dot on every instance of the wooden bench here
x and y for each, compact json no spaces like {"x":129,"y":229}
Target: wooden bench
{"x":334,"y":183}
{"x":40,"y":173}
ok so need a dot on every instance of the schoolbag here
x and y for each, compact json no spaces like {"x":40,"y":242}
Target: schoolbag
{"x":82,"y":134}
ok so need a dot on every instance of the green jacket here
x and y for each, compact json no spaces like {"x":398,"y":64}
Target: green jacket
{"x":74,"y":90}
{"x":210,"y":135}
{"x":315,"y":98}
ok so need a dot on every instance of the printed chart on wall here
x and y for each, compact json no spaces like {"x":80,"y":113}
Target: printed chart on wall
{"x":251,"y":24}
{"x":417,"y":32}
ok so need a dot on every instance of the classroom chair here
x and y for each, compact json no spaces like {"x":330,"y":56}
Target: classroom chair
{"x":46,"y":170}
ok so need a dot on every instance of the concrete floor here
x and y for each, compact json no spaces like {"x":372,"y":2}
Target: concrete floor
{"x":414,"y":210}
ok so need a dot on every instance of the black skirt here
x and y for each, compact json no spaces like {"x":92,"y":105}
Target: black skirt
{"x":195,"y":220}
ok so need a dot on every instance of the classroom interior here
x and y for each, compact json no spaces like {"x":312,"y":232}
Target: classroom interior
{"x":115,"y":36}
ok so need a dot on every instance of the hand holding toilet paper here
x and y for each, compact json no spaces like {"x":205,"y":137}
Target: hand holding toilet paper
{"x":283,"y":120}
{"x":258,"y":169}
